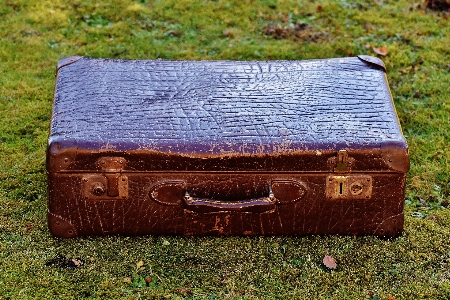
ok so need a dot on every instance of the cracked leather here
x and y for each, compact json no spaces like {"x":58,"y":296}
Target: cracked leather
{"x":252,"y":140}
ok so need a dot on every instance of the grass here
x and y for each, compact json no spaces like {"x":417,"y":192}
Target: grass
{"x":35,"y":34}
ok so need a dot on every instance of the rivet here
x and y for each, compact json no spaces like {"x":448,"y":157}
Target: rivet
{"x":66,"y":159}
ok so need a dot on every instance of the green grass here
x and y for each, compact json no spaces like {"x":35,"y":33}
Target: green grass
{"x":34,"y":35}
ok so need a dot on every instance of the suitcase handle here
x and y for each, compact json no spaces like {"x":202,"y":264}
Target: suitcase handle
{"x":255,"y":205}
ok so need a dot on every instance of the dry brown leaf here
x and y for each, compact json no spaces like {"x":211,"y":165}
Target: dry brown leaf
{"x":329,"y":262}
{"x":127,"y":279}
{"x":139,"y":264}
{"x":77,"y":262}
{"x":184,"y":291}
{"x":390,"y":297}
{"x":381,"y":51}
{"x":319,"y":8}
{"x":370,"y":27}
{"x":228,"y":33}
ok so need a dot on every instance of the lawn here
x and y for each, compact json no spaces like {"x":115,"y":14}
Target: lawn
{"x":414,"y":43}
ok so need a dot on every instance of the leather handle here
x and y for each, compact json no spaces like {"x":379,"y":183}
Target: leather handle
{"x":255,"y":205}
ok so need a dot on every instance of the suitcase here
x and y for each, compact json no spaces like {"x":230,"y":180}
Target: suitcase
{"x":225,"y":148}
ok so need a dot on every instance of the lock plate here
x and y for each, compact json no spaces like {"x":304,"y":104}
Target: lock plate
{"x":352,"y":187}
{"x":95,"y":187}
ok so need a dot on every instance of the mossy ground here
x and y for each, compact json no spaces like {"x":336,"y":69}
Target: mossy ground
{"x":35,"y":34}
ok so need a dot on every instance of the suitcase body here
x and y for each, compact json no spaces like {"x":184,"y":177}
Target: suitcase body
{"x":225,"y":148}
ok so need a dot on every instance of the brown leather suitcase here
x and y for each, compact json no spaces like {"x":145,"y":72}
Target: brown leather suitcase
{"x":225,"y":148}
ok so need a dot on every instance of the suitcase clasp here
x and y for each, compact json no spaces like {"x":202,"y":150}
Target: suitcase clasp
{"x":341,"y":163}
{"x":349,"y":187}
{"x":110,"y":185}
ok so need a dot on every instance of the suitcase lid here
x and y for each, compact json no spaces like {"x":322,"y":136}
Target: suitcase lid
{"x":225,"y":116}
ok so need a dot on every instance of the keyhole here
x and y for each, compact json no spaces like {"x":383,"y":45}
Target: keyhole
{"x":98,"y":189}
{"x":340,"y":187}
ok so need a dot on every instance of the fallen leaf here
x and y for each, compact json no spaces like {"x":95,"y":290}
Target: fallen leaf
{"x":370,"y":27}
{"x":184,"y":291}
{"x":166,"y":243}
{"x":77,"y":262}
{"x":148,"y":280}
{"x":228,"y":33}
{"x":329,"y":262}
{"x":28,"y":228}
{"x":139,"y":264}
{"x":390,"y":297}
{"x":63,"y":262}
{"x":127,"y":279}
{"x":381,"y":51}
{"x":319,"y":8}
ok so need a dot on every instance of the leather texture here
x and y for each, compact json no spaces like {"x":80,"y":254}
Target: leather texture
{"x":220,"y":107}
{"x":225,"y":148}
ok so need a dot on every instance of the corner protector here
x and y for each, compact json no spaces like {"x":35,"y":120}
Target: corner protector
{"x":391,"y":227}
{"x":67,"y":61}
{"x":59,"y":227}
{"x":373,"y":61}
{"x":395,"y":155}
{"x":60,"y":153}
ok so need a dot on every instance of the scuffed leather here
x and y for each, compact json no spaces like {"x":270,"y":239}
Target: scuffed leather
{"x":224,"y":107}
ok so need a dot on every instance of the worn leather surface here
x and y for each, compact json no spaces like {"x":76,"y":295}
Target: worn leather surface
{"x":223,"y":107}
{"x":141,"y":214}
{"x":226,"y":133}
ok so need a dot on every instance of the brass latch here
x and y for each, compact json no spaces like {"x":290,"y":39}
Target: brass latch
{"x":349,"y":187}
{"x":341,"y":163}
{"x":109,"y":185}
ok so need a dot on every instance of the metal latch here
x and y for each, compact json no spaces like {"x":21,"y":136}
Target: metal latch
{"x":349,"y":187}
{"x":110,"y":185}
{"x":341,"y":163}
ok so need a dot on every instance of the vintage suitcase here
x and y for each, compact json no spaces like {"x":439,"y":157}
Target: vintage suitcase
{"x":225,"y":148}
